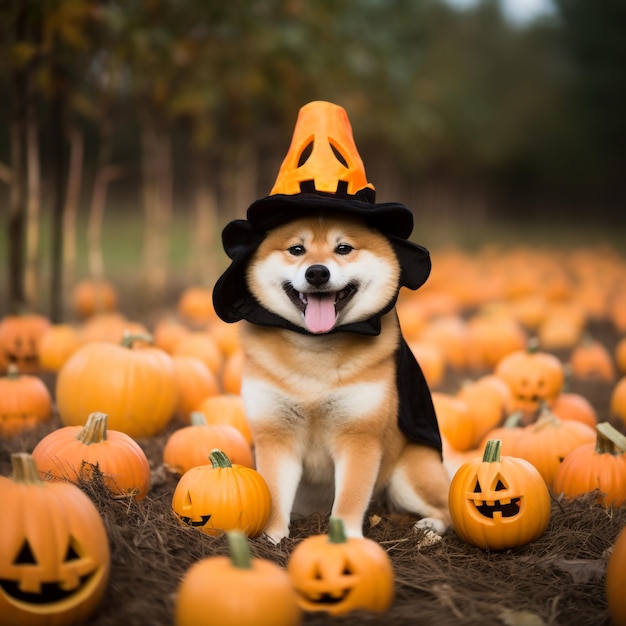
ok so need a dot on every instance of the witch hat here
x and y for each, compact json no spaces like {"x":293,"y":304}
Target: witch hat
{"x":322,"y":173}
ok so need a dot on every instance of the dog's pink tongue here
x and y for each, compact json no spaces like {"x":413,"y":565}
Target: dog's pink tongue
{"x":319,"y":315}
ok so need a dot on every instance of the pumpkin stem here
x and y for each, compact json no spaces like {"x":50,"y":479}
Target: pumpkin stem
{"x":13,"y":371}
{"x":609,"y":440}
{"x":336,"y":530}
{"x":240,"y":553}
{"x":492,"y":451}
{"x":24,"y":469}
{"x":532,"y":345}
{"x":546,"y":417}
{"x":95,"y":430}
{"x":129,"y":339}
{"x":219,"y":459}
{"x":197,"y":418}
{"x":513,"y":420}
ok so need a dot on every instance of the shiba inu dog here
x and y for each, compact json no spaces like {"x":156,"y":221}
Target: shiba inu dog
{"x":323,"y":406}
{"x":338,"y":406}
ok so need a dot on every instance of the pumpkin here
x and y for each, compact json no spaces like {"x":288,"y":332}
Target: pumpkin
{"x":201,"y":345}
{"x":617,"y":400}
{"x":56,"y":345}
{"x":69,"y":453}
{"x":24,"y":402}
{"x":111,"y":327}
{"x":549,"y":440}
{"x":226,"y":408}
{"x":591,"y":360}
{"x":19,"y":341}
{"x":226,"y":335}
{"x":93,"y":296}
{"x":195,"y":305}
{"x":431,"y":360}
{"x":600,"y":465}
{"x":54,"y":550}
{"x":455,"y":421}
{"x":133,"y":383}
{"x":221,"y":497}
{"x":195,"y":382}
{"x":232,"y":372}
{"x":167,"y":332}
{"x":615,"y":582}
{"x":534,"y":376}
{"x":336,"y":575}
{"x":190,"y":446}
{"x":236,"y":590}
{"x":574,"y":406}
{"x":497,"y":503}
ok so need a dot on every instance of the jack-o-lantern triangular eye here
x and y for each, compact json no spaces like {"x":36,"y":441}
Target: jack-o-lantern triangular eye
{"x":500,"y":484}
{"x":477,"y":488}
{"x":305,"y":154}
{"x":72,"y":553}
{"x":25,"y":556}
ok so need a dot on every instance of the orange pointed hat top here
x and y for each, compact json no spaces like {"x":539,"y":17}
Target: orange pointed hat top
{"x":323,"y":151}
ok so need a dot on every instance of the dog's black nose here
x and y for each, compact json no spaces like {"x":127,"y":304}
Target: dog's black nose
{"x":317,"y":275}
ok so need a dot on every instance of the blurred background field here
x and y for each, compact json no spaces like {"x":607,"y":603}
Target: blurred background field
{"x":136,"y":130}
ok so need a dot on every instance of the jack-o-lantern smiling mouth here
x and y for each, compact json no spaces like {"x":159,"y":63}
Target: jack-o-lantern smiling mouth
{"x":498,"y":508}
{"x":47,"y":594}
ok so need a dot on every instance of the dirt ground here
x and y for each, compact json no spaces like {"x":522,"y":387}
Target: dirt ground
{"x":556,"y":580}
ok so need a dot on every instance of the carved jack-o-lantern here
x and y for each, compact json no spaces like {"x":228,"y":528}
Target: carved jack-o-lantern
{"x":534,"y":376}
{"x":322,"y":152}
{"x":334,"y":574}
{"x":498,"y":503}
{"x":19,"y":341}
{"x":220,"y":497}
{"x":54,"y":551}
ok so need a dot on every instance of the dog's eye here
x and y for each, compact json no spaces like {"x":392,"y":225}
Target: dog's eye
{"x":344,"y":248}
{"x":296,"y":250}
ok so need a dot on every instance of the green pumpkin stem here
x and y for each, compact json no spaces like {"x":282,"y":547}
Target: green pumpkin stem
{"x":336,"y":530}
{"x":532,"y":345}
{"x":95,"y":429}
{"x":492,"y":451}
{"x":129,"y":339}
{"x":609,"y":440}
{"x":239,"y":548}
{"x":197,"y":418}
{"x":219,"y":459}
{"x":24,"y":469}
{"x":13,"y":371}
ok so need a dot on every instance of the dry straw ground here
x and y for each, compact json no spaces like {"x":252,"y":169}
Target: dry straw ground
{"x":557,"y":580}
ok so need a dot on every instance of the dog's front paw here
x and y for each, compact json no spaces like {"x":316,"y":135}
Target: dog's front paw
{"x":275,"y":535}
{"x":431,"y":525}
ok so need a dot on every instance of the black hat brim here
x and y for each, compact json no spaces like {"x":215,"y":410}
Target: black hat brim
{"x":389,"y":218}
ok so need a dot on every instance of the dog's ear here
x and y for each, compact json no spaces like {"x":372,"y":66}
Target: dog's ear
{"x":414,"y":262}
{"x":238,"y":238}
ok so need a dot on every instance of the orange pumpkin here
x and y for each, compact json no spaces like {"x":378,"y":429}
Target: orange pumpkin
{"x":111,"y":327}
{"x":24,"y":402}
{"x":71,"y":452}
{"x":574,"y":406}
{"x":616,"y":581}
{"x":232,"y":372}
{"x":94,"y":296}
{"x":546,"y":442}
{"x":497,"y":503}
{"x":167,"y":332}
{"x":335,"y":574}
{"x":195,"y":382}
{"x":19,"y":341}
{"x":201,"y":345}
{"x":56,"y":345}
{"x":195,"y":305}
{"x":132,"y":382}
{"x":600,"y":465}
{"x":591,"y":360}
{"x":534,"y":376}
{"x":226,"y":408}
{"x":455,"y":421}
{"x":189,"y":446}
{"x":222,"y":496}
{"x":54,"y":550}
{"x":617,"y":405}
{"x":261,"y":588}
